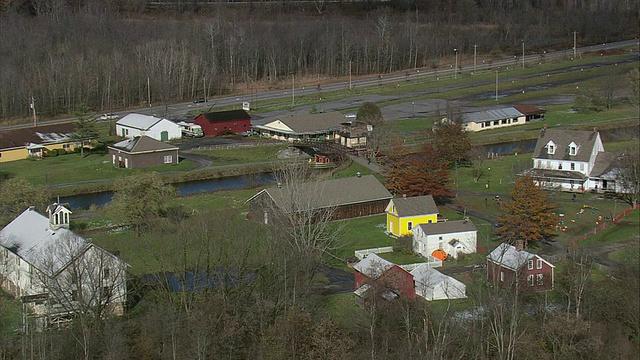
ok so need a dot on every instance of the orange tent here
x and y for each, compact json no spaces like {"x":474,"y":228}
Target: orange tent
{"x":439,"y":254}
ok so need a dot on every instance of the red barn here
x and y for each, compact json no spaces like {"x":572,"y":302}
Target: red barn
{"x":387,"y":278}
{"x":224,"y":122}
{"x":510,"y":265}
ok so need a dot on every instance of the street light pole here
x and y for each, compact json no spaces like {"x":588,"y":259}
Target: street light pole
{"x":293,"y":89}
{"x":455,"y":72}
{"x":496,"y":85}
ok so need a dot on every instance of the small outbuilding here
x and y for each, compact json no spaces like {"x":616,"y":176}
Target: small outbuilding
{"x":142,"y":151}
{"x":405,"y":213}
{"x":224,"y":122}
{"x":431,"y":284}
{"x":451,"y":237}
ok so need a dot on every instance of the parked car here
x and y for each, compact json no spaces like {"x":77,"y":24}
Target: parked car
{"x":199,"y":100}
{"x":108,"y":116}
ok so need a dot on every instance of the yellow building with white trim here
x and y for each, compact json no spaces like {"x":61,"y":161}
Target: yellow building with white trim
{"x":403,"y":214}
{"x":35,"y":141}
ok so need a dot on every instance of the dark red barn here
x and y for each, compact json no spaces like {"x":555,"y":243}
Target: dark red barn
{"x":224,"y":122}
{"x":383,"y":277}
{"x":512,"y":266}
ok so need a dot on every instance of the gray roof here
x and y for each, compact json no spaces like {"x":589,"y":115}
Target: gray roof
{"x":427,"y":275}
{"x":138,"y":121}
{"x":490,"y":115}
{"x":553,"y":174}
{"x":508,"y":256}
{"x":30,"y":237}
{"x":310,"y":123}
{"x":585,"y":140}
{"x":141,"y":144}
{"x":448,"y":227}
{"x":328,"y":193}
{"x":416,"y":205}
{"x":603,"y":164}
{"x":373,"y":266}
{"x":44,"y":134}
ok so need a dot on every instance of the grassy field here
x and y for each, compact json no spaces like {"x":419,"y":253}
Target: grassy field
{"x":239,"y":155}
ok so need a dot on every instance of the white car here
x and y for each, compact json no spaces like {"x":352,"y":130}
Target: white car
{"x":108,"y":116}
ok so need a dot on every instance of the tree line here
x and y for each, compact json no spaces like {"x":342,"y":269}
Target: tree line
{"x":113,"y":55}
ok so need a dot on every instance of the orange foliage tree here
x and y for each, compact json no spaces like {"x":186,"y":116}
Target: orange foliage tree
{"x":528,"y":217}
{"x":421,"y":173}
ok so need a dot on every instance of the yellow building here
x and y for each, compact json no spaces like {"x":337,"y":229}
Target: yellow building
{"x":35,"y":141}
{"x":403,"y":214}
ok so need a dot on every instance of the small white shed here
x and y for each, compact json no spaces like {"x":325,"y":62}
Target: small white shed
{"x":431,"y":284}
{"x":160,"y":129}
{"x":453,"y":237}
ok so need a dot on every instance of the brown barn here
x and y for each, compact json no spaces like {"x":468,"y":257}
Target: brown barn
{"x":142,"y":151}
{"x":346,"y":198}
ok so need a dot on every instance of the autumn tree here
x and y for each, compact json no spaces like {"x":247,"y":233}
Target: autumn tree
{"x":138,"y":198}
{"x":421,"y":173}
{"x":451,"y":141}
{"x":17,"y":194}
{"x":528,"y":217}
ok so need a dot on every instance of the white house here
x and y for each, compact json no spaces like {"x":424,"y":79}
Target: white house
{"x":431,"y":284}
{"x":56,"y":273}
{"x":572,"y":160}
{"x":453,"y":237}
{"x":309,"y":127}
{"x":133,"y":125}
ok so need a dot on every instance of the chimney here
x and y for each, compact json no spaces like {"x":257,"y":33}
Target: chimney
{"x":595,"y":129}
{"x":544,"y":129}
{"x":519,"y":245}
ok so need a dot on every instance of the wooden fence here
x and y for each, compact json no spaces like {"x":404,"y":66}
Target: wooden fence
{"x":603,"y":226}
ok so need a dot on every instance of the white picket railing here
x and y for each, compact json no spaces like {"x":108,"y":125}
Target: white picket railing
{"x":361,"y":254}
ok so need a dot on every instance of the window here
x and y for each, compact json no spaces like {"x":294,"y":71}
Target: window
{"x":440,"y":238}
{"x":551,"y":148}
{"x":75,"y":295}
{"x":168,"y":159}
{"x":530,"y":279}
{"x":540,"y":279}
{"x":515,"y":120}
{"x":539,"y":264}
{"x":66,"y":146}
{"x":497,"y":122}
{"x":501,"y":275}
{"x":410,"y":225}
{"x":105,"y":273}
{"x":430,"y":221}
{"x":105,"y":292}
{"x":559,"y":166}
{"x":530,"y":265}
{"x":113,"y":159}
{"x":572,"y":150}
{"x":573,"y":166}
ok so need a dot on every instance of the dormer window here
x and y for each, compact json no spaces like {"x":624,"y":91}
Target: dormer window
{"x":551,"y":148}
{"x":573,"y":149}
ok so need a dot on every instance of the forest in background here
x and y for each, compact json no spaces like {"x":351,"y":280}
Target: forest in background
{"x":116,"y":54}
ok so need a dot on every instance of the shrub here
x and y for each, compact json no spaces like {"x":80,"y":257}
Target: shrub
{"x":53,"y":152}
{"x":62,"y":151}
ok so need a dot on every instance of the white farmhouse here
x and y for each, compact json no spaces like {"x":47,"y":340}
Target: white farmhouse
{"x":453,"y":237}
{"x":134,"y":125}
{"x":431,"y":284}
{"x":56,"y":273}
{"x":572,"y":160}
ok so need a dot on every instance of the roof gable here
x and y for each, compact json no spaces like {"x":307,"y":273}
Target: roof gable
{"x":308,"y":123}
{"x":138,"y":121}
{"x":584,"y":140}
{"x":427,"y":275}
{"x":415,"y":206}
{"x":328,"y":193}
{"x":448,"y":227}
{"x":141,"y":144}
{"x":373,"y":266}
{"x":508,"y":256}
{"x":528,"y":109}
{"x":42,"y":135}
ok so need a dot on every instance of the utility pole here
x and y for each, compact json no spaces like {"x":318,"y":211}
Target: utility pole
{"x":293,"y":89}
{"x":523,"y":54}
{"x":574,"y":44}
{"x":204,"y":87}
{"x":32,"y":105}
{"x":148,"y":91}
{"x":475,"y":54}
{"x":496,"y":85}
{"x":349,"y":75}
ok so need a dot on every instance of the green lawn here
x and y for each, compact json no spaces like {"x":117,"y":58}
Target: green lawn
{"x":72,"y":168}
{"x":628,"y":228}
{"x":238,"y":155}
{"x":364,"y":233}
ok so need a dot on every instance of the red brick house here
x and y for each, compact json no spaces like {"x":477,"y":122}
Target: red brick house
{"x":375,"y":274}
{"x":508,"y":265}
{"x":224,"y":122}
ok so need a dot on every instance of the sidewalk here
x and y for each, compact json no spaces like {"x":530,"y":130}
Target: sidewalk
{"x":373,"y":166}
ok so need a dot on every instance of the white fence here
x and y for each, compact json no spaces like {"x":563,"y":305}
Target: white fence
{"x":361,"y":254}
{"x":431,"y":261}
